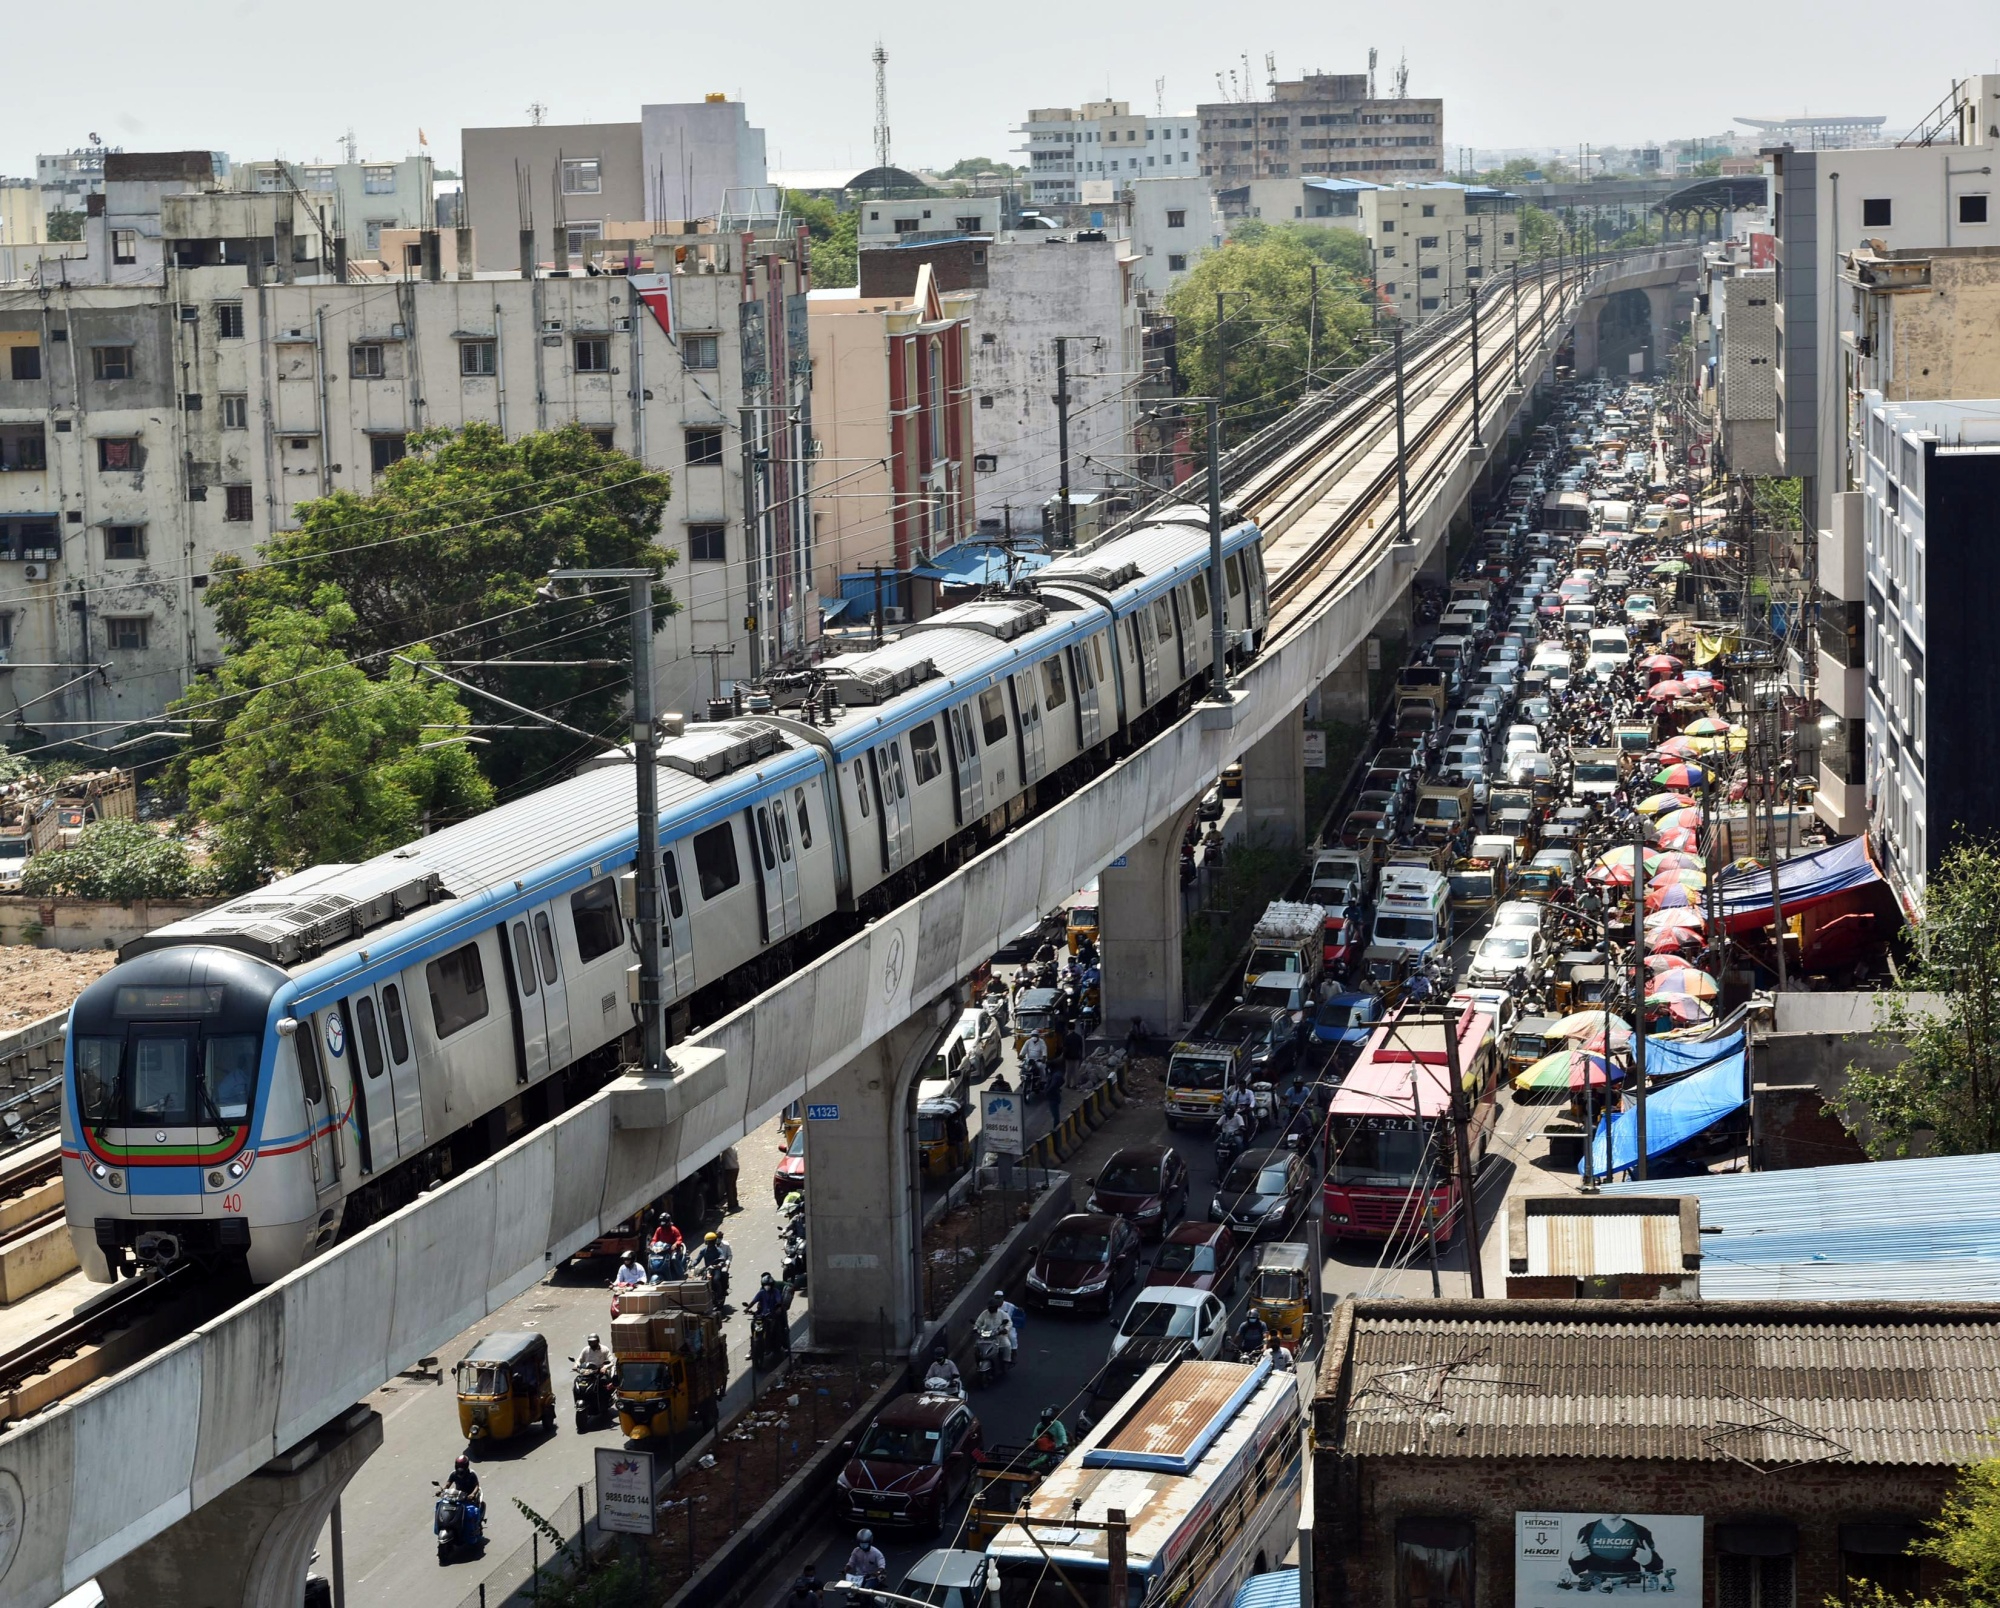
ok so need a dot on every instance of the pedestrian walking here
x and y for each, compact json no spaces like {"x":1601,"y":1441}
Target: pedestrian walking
{"x":1055,"y":1092}
{"x":1073,"y":1057}
{"x":731,"y":1166}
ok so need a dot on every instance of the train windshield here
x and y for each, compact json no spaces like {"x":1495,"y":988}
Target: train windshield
{"x":171,"y":1076}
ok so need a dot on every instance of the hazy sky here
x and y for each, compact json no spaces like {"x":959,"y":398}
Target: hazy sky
{"x":263,"y":80}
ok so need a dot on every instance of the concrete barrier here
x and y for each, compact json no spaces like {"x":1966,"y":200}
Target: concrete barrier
{"x":88,"y":923}
{"x":36,"y":1258}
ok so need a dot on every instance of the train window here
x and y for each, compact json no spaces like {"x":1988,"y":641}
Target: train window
{"x":805,"y":820}
{"x":1198,"y":590}
{"x":1163,"y":615}
{"x":594,"y":912}
{"x":715,"y":861}
{"x":861,"y":788}
{"x":1232,"y":572}
{"x":784,"y":825}
{"x":458,"y":987}
{"x":1097,"y":648}
{"x":229,"y":1066}
{"x":993,"y":716}
{"x":895,"y":753}
{"x":924,"y":752}
{"x":392,"y":1018}
{"x":308,"y":1052}
{"x":369,"y":1031}
{"x":764,"y":836}
{"x":676,"y":905}
{"x":545,"y":941}
{"x":97,"y":1077}
{"x":524,"y":960}
{"x":1052,"y":682}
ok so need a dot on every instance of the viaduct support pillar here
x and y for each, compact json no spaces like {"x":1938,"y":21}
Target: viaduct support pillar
{"x":249,"y":1546}
{"x":1660,"y":311}
{"x":1139,"y":934}
{"x":864,"y":1204}
{"x":1343,"y":696}
{"x":1585,"y":362}
{"x":1274,"y":785}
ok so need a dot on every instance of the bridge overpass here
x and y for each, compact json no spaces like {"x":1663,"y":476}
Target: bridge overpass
{"x":202,"y":1474}
{"x":1666,"y":278}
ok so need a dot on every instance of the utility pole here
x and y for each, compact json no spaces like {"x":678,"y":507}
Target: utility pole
{"x":1423,"y":1204}
{"x":753,"y":540}
{"x":1461,"y":1123}
{"x":1638,"y":987}
{"x":1402,"y":473}
{"x":1065,"y":517}
{"x":1472,"y":308}
{"x":1218,"y":633}
{"x":1312,"y":325}
{"x":1114,"y":1555}
{"x":1221,"y":370}
{"x":646,"y":869}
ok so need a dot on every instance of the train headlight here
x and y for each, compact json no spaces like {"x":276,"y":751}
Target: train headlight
{"x":237,"y":1169}
{"x":98,"y":1170}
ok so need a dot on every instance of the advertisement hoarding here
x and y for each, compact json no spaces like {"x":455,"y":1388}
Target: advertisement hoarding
{"x":1560,"y":1556}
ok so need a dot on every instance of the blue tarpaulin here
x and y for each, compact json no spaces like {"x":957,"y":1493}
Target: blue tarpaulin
{"x":1674,"y":1114}
{"x":1670,"y":1057}
{"x":979,"y":564}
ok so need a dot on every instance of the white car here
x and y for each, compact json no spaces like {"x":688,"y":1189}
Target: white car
{"x":1166,"y":1312}
{"x":1516,"y":916}
{"x":1601,"y":667}
{"x":1526,"y":768}
{"x":980,"y":1035}
{"x":1521,"y":738}
{"x":1502,"y":956}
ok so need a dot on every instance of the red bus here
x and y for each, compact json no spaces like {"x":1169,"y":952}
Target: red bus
{"x":1392,"y":1160}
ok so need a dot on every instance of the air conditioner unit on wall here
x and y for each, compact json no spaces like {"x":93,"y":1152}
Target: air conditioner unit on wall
{"x":35,"y":572}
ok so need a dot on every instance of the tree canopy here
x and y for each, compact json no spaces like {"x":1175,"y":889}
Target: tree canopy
{"x":301,"y":757}
{"x":451,"y":549}
{"x":1944,"y":1095}
{"x":116,"y":860}
{"x":832,"y":234}
{"x":1264,"y":275}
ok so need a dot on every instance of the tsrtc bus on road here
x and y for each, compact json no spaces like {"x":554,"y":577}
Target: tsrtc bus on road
{"x":1392,"y":1161}
{"x":1205,"y":1459}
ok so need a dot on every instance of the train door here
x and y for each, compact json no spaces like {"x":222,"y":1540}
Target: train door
{"x":677,"y":964}
{"x":774,"y":871}
{"x":408,"y":1093}
{"x":892,"y":797}
{"x":374,"y":1097}
{"x":965,"y":768}
{"x":1149,"y":661}
{"x":521,"y":963}
{"x":322,"y":1108}
{"x":1028,"y":722}
{"x":1172,"y":642}
{"x":788,"y":861}
{"x":1260,"y":599}
{"x":1083,"y":687}
{"x":555,"y":997}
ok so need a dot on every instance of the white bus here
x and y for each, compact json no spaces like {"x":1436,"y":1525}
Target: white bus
{"x":1205,"y":1459}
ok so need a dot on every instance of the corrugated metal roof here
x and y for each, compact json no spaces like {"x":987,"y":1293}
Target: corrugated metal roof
{"x":1896,"y":1386}
{"x":1174,"y":1416}
{"x":1578,"y":1245}
{"x":1925,"y":1229}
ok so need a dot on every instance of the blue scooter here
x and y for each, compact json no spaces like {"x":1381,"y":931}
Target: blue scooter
{"x":458,"y":1523}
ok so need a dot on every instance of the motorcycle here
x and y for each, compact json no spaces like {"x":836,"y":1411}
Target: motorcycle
{"x":793,"y":1268}
{"x":590,"y":1392}
{"x":989,"y":1359}
{"x":457,"y":1523}
{"x":943,"y":1385}
{"x":1229,"y":1143}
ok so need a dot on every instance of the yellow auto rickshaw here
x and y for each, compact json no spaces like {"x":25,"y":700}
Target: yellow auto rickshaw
{"x":1282,"y":1289}
{"x":1038,"y":1011}
{"x":504,"y":1387}
{"x":943,"y":1146}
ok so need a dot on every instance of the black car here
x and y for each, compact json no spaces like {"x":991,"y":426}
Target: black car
{"x":1263,"y":1189}
{"x":1272,"y":1035}
{"x":1086,"y":1261}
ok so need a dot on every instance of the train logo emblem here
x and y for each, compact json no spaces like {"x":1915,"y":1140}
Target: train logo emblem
{"x":892,"y":966}
{"x":336,"y":1036}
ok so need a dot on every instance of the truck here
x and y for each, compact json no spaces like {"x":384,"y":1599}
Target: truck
{"x":1594,"y":773}
{"x":1442,"y":811}
{"x":1424,"y":680}
{"x":1199,"y":1073}
{"x":1340,"y":877}
{"x":673,"y":1361}
{"x":1286,"y":939}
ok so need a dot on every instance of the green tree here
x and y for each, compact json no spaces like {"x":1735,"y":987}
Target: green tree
{"x":452,"y":548}
{"x":65,"y":225}
{"x":1263,"y":275}
{"x":972,"y":166}
{"x":1944,"y":1094}
{"x":1710,"y":169}
{"x":1776,"y":503}
{"x":300,"y":757}
{"x":1538,"y":228}
{"x":117,"y":860}
{"x":833,"y":234}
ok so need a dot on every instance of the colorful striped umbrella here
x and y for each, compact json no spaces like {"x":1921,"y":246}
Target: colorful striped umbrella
{"x":1661,"y":691}
{"x":1684,"y":776}
{"x":1621,"y":854}
{"x":1669,"y":938}
{"x":1679,"y":876}
{"x":1682,"y":1008}
{"x":1709,"y":726}
{"x":1569,"y":1069}
{"x":1677,"y":748}
{"x":1680,"y":860}
{"x":1688,"y":980}
{"x":1672,"y":896}
{"x":1578,"y":1023}
{"x":1659,"y":965}
{"x":1681,"y":839}
{"x":1603,"y":1043}
{"x":1660,"y":803}
{"x":1686,"y":815}
{"x":1660,"y":662}
{"x":1675,"y":921}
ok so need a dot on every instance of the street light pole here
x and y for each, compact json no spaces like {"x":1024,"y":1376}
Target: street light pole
{"x":1472,"y":307}
{"x":646,"y":880}
{"x":1218,"y":633}
{"x":1402,"y":475}
{"x":1638,"y":984}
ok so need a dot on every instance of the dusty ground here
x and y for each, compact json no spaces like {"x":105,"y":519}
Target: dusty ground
{"x":34,"y":982}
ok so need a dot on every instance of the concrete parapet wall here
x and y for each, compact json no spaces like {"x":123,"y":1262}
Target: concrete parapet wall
{"x":88,"y":923}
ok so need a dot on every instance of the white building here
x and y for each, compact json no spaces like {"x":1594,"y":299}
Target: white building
{"x":355,"y":199}
{"x":1089,"y":152}
{"x":1173,"y":222}
{"x":930,"y":217}
{"x":147,"y":429}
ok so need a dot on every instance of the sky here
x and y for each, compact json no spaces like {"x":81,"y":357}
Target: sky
{"x":260,"y":81}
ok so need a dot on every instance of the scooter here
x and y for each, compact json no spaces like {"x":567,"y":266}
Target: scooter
{"x":457,"y":1523}
{"x":989,"y":1359}
{"x":590,"y":1392}
{"x":793,"y":1268}
{"x":1228,"y":1146}
{"x":943,"y":1385}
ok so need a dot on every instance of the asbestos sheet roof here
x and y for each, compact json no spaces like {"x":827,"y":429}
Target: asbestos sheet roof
{"x":1774,"y":1386}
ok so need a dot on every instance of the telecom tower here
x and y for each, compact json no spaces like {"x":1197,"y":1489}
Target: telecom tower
{"x":881,"y":60}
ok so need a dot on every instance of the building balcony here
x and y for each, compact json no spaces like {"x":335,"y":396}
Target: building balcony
{"x":1842,"y":688}
{"x":1841,"y":804}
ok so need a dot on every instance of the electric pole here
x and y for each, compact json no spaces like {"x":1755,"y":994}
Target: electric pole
{"x":1065,"y":516}
{"x":1461,"y":1125}
{"x":1402,"y":473}
{"x":1221,"y":370}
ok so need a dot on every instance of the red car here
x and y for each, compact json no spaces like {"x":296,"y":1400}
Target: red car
{"x":912,"y":1464}
{"x":1340,"y":941}
{"x":1147,"y":1185}
{"x":1198,"y":1256}
{"x":791,"y":1173}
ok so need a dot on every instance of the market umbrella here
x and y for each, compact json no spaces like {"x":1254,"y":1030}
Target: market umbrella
{"x":1709,"y":726}
{"x":1661,"y":965}
{"x":1578,"y":1023}
{"x":1661,"y":691}
{"x":1672,"y":896}
{"x":1675,"y":921}
{"x":1679,"y":860}
{"x":1660,"y":803}
{"x":1621,"y":854}
{"x":1666,"y":938}
{"x":1677,"y":748}
{"x":1683,"y":775}
{"x":1671,"y":566}
{"x":1679,"y":839}
{"x":1688,"y":980}
{"x":1568,"y":1069}
{"x":1688,"y":815}
{"x":1682,"y":1008}
{"x":1659,"y":661}
{"x":1679,"y":875}
{"x":1603,"y":1043}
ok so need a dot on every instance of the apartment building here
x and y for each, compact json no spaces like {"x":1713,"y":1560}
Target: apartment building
{"x":67,"y":178}
{"x":147,"y":429}
{"x":603,"y":181}
{"x":894,"y":438}
{"x":358,"y":200}
{"x":1173,"y":223}
{"x":1326,"y":123}
{"x":1922,"y":357}
{"x":1743,"y":318}
{"x":21,"y":221}
{"x":1088,"y":152}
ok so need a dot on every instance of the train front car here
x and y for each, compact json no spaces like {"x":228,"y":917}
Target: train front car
{"x":180,"y":1131}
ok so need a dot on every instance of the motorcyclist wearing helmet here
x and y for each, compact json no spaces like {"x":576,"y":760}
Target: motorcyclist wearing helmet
{"x":996,"y":1322}
{"x":462,"y":1479}
{"x":769,"y":1301}
{"x":593,"y":1355}
{"x":866,"y":1562}
{"x":1050,"y":1440}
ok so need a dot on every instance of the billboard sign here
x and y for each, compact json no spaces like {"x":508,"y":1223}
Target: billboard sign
{"x":1559,"y":1556}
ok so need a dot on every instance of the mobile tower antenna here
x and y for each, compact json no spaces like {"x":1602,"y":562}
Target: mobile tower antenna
{"x":881,"y":59}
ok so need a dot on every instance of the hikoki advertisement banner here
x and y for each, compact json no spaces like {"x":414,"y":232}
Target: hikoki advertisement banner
{"x":1560,"y":1557}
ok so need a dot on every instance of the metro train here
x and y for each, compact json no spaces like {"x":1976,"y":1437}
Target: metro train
{"x":247,"y":1083}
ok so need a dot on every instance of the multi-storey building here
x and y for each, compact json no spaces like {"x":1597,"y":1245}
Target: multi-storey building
{"x":1326,"y":123}
{"x":148,"y":429}
{"x":1089,"y":152}
{"x":357,"y":200}
{"x":21,"y":213}
{"x":67,"y":178}
{"x":1174,"y":221}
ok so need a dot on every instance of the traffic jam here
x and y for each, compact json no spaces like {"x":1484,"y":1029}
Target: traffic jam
{"x":1525,"y":839}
